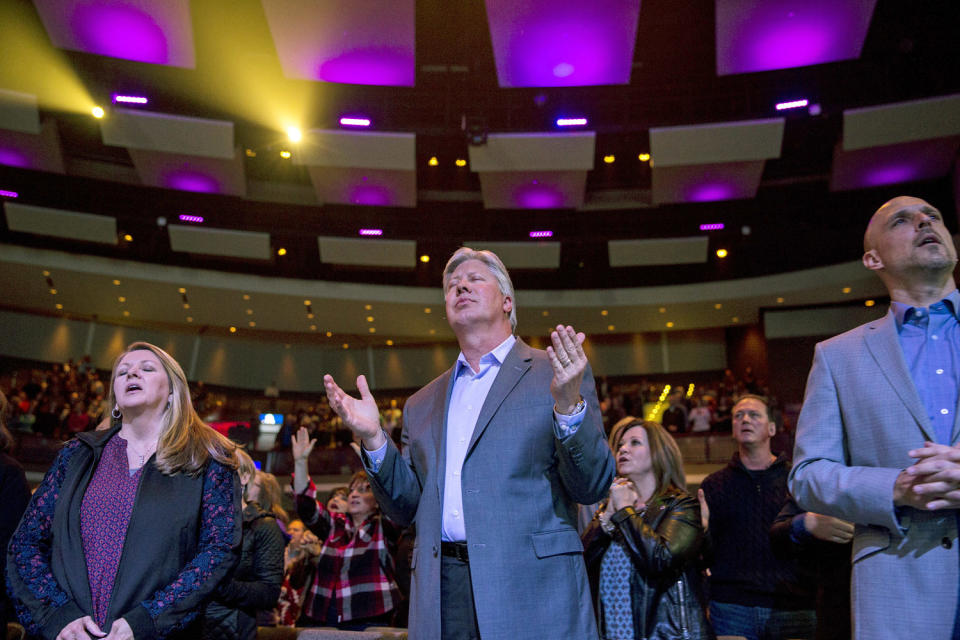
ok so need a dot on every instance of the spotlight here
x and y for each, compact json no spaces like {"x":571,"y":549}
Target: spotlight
{"x":285,"y":154}
{"x":433,"y":161}
{"x":460,"y":162}
{"x":294,"y":134}
{"x":644,"y":157}
{"x":97,"y":112}
{"x":721,"y":253}
{"x":610,"y":159}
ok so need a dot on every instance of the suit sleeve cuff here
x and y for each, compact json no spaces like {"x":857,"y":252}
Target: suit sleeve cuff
{"x":565,"y":426}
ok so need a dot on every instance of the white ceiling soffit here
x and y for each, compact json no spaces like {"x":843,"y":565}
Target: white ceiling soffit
{"x":534,"y":152}
{"x":901,"y":122}
{"x":368,"y":252}
{"x":168,"y":133}
{"x":87,"y":227}
{"x":19,"y":112}
{"x":716,"y":143}
{"x":636,"y":253}
{"x":220,"y":242}
{"x":41,"y":151}
{"x":191,"y":172}
{"x":358,"y":149}
{"x":522,"y":255}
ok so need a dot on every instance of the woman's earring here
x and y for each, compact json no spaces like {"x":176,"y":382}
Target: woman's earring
{"x":116,"y":413}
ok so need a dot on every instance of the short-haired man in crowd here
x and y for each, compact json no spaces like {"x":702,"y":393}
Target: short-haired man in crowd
{"x":752,"y":590}
{"x":497,"y":452}
{"x":877,"y":436}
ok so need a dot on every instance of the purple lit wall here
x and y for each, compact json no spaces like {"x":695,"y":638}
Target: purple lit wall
{"x":154,"y":31}
{"x":30,"y":151}
{"x":359,"y":42}
{"x":706,"y":182}
{"x":760,"y":35}
{"x":532,"y":189}
{"x":364,"y":186}
{"x":563,"y":43}
{"x":190,"y":173}
{"x":892,"y":164}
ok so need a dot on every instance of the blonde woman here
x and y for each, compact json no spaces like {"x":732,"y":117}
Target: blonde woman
{"x":133,"y":526}
{"x":641,"y":548}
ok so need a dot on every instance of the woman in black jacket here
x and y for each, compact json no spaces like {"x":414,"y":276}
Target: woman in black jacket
{"x":134,"y":525}
{"x":641,"y":547}
{"x":254,"y":586}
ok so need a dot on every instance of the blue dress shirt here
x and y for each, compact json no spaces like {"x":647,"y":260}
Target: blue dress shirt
{"x":930,"y":339}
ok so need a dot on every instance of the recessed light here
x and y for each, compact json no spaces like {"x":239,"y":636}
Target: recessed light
{"x":424,"y":258}
{"x":252,"y":323}
{"x":662,"y":309}
{"x":53,"y":292}
{"x":189,"y":318}
{"x":346,"y":345}
{"x":718,"y":306}
{"x":306,"y":303}
{"x":389,"y":343}
{"x":122,"y":299}
{"x":545,"y":313}
{"x":604,"y":312}
{"x":847,"y":289}
{"x":46,"y":274}
{"x":372,"y":329}
{"x":721,"y":253}
{"x":779,"y":300}
{"x":116,"y":283}
{"x":369,"y":318}
{"x":367,"y":307}
{"x":58,"y":306}
{"x":427,"y":310}
{"x":249,"y":312}
{"x":669,"y":325}
{"x":310,"y":316}
{"x":186,"y":305}
{"x":610,"y":327}
{"x":329,"y":334}
{"x":126,"y":314}
{"x":869,"y":303}
{"x":233,"y":329}
{"x":246,"y":296}
{"x":182,"y":290}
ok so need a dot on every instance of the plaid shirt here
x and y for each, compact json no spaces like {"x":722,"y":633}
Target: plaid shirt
{"x":355,"y":568}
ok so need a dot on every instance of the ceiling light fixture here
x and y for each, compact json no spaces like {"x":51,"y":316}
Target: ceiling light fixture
{"x":712,"y":226}
{"x":129,"y":99}
{"x":571,"y":122}
{"x":294,"y":134}
{"x":8,"y":194}
{"x":98,"y":112}
{"x":433,"y":161}
{"x":371,"y":232}
{"x":189,"y":218}
{"x":792,"y":104}
{"x":545,"y":233}
{"x":354,"y":122}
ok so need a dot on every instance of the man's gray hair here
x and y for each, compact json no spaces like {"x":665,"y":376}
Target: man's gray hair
{"x":496,"y":267}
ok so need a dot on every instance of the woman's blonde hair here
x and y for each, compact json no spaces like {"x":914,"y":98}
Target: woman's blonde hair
{"x":665,"y":457}
{"x":271,"y":495}
{"x":186,"y":442}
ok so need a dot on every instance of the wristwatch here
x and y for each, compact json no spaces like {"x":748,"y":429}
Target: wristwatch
{"x":581,"y":405}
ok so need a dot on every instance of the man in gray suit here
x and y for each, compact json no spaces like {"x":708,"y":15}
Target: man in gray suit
{"x":497,"y":451}
{"x":877,"y":436}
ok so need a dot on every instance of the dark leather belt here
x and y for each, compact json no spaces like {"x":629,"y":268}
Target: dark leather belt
{"x":456,"y":550}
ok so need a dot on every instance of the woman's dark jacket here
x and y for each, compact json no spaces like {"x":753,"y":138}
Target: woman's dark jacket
{"x":254,"y":584}
{"x":663,"y":544}
{"x":183,"y":538}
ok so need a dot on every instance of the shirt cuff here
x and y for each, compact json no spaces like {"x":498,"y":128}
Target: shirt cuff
{"x":565,"y":426}
{"x":373,"y":459}
{"x":798,"y":532}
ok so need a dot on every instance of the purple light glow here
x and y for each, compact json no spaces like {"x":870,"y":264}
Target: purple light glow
{"x":129,"y":99}
{"x":383,"y":66}
{"x":711,"y":226}
{"x":793,"y":104}
{"x":191,"y":181}
{"x":371,"y":232}
{"x":541,"y":234}
{"x":14,"y":158}
{"x":890,"y":174}
{"x":8,"y":194}
{"x":779,"y":34}
{"x":563,"y":43}
{"x":354,"y":122}
{"x":371,"y":195}
{"x":711,"y":192}
{"x":538,"y":196}
{"x":571,"y":122}
{"x":368,"y":42}
{"x":188,"y":218}
{"x":119,"y":31}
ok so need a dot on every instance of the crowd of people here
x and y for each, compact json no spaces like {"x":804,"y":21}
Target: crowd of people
{"x":466,"y":523}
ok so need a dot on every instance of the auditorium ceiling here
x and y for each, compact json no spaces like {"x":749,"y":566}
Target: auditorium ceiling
{"x":288,"y":164}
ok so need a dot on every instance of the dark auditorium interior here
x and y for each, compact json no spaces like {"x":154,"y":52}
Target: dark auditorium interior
{"x":269,"y":190}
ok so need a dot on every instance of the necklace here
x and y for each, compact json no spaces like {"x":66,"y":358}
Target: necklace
{"x":142,"y":456}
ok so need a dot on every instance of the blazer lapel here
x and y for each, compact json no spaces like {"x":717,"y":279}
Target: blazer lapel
{"x":439,"y":426}
{"x":517,"y":362}
{"x":884,"y":345}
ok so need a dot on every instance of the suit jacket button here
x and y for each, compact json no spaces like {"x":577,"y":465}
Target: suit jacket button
{"x":946,"y":543}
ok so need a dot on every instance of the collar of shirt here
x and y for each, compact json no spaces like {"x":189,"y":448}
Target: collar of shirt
{"x":498,"y":355}
{"x":905,"y":314}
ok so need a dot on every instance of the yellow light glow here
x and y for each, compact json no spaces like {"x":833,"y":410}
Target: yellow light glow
{"x":460,"y":162}
{"x":372,"y":329}
{"x":368,"y":307}
{"x":644,"y":157}
{"x":427,"y":310}
{"x":662,"y":309}
{"x":126,"y":314}
{"x":251,"y":153}
{"x":735,"y":318}
{"x":116,"y":283}
{"x":604,"y":312}
{"x":313,"y":327}
{"x":369,"y":318}
{"x":433,"y":161}
{"x":433,"y":331}
{"x":182,"y":290}
{"x":847,"y":289}
{"x":252,"y":323}
{"x":127,"y":237}
{"x":281,"y":251}
{"x":59,"y":306}
{"x":306,"y":303}
{"x":329,"y":334}
{"x":294,"y":134}
{"x":53,"y":292}
{"x":718,"y":306}
{"x":285,"y":154}
{"x":869,"y":303}
{"x":186,"y":305}
{"x":249,"y":312}
{"x":610,"y":159}
{"x":389,"y":343}
{"x":310,"y":316}
{"x":610,"y":327}
{"x":97,"y":112}
{"x":122,"y":299}
{"x":669,"y":325}
{"x":545,"y":313}
{"x":189,"y":318}
{"x":721,"y":253}
{"x":424,"y":258}
{"x":233,"y":329}
{"x":246,"y":296}
{"x":346,"y":345}
{"x":779,"y":300}
{"x":46,"y":274}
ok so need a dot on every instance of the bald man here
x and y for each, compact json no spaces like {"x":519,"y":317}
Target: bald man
{"x":877,"y":436}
